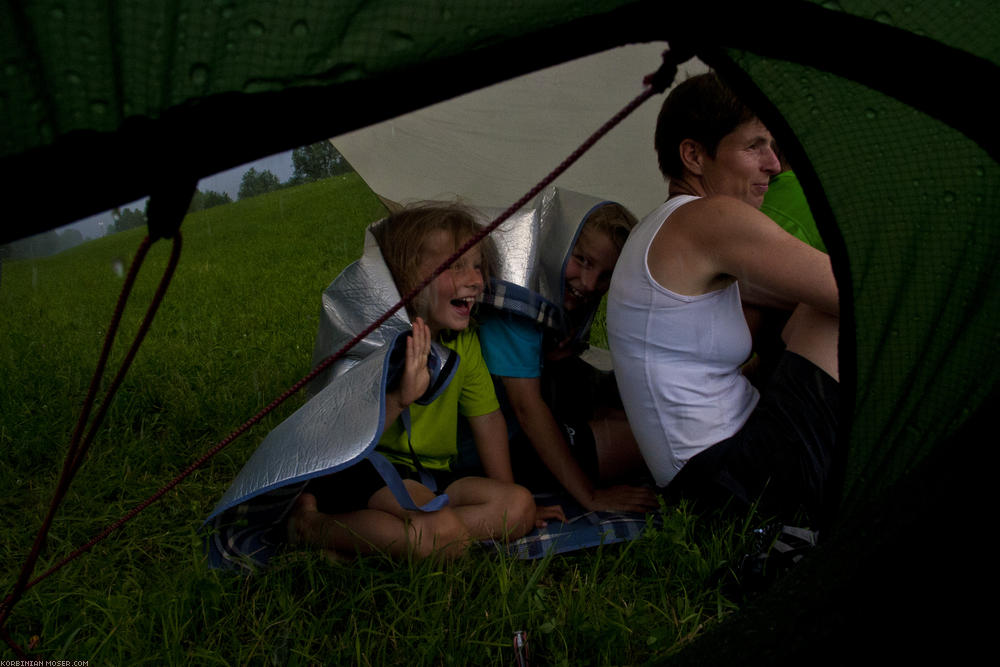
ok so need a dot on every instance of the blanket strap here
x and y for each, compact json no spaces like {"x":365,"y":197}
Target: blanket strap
{"x":393,"y":480}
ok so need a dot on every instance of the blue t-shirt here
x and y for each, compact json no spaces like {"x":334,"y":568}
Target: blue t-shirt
{"x":512,"y":344}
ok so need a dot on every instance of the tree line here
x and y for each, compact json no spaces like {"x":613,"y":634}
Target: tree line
{"x":309,"y":163}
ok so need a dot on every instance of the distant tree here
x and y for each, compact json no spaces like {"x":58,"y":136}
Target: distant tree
{"x":125,"y":219}
{"x":208,"y":199}
{"x":316,"y":161}
{"x":257,"y":183}
{"x":69,"y":238}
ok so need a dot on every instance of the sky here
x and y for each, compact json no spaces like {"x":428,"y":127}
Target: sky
{"x":227,"y":181}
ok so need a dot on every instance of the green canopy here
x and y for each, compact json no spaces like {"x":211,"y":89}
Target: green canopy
{"x":881,"y":106}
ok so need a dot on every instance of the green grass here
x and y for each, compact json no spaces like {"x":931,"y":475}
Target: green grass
{"x":236,"y":329}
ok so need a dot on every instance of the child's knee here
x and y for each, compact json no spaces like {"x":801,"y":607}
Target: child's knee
{"x":441,"y":533}
{"x":520,"y":509}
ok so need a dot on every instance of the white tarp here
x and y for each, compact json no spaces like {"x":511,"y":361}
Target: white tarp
{"x":491,"y":146}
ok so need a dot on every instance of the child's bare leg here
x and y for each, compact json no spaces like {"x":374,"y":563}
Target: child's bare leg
{"x":813,"y":334}
{"x":492,"y":509}
{"x":383,"y":527}
{"x":441,"y":532}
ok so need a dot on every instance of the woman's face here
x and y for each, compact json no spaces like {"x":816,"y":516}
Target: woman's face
{"x":743,"y":164}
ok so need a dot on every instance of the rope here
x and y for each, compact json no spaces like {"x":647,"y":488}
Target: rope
{"x":78,"y":447}
{"x":655,"y":83}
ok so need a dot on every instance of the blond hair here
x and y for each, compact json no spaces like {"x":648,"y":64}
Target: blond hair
{"x":613,"y":220}
{"x":403,"y":235}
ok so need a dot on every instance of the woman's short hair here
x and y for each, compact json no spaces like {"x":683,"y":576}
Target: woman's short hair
{"x":702,"y":108}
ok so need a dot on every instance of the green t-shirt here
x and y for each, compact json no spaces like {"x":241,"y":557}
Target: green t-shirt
{"x":785,"y":203}
{"x":435,"y":427}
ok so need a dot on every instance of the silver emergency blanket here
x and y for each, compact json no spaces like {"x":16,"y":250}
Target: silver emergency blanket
{"x":357,"y":297}
{"x":336,"y":427}
{"x":332,"y":430}
{"x":533,"y":247}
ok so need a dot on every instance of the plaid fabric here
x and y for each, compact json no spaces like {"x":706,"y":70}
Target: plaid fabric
{"x":581,"y":531}
{"x":248,"y":535}
{"x":522,"y":301}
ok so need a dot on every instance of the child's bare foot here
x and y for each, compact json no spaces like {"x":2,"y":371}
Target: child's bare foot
{"x":303,"y":511}
{"x":304,"y":514}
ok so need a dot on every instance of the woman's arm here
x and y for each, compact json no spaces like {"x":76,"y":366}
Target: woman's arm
{"x":709,"y":241}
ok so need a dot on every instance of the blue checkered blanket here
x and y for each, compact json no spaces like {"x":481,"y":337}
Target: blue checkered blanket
{"x":582,"y":530}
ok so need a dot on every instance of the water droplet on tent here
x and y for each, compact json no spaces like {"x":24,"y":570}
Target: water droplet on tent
{"x":45,"y":132}
{"x":401,"y":41}
{"x":949,"y":196}
{"x":98,"y":107}
{"x":833,"y":6}
{"x":58,"y":12}
{"x":118,"y":267}
{"x":199,"y":74}
{"x":471,"y":31}
{"x":980,"y":172}
{"x":445,"y":14}
{"x":884,"y":17}
{"x":871,"y":114}
{"x":73,"y":78}
{"x":255,"y":28}
{"x":257,"y":86}
{"x":300,"y":28}
{"x":916,"y":183}
{"x":10,"y":69}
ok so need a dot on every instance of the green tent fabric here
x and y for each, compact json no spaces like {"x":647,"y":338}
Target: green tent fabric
{"x":786,"y":204}
{"x":879,"y":104}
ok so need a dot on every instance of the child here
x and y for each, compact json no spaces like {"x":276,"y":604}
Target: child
{"x":566,"y":435}
{"x":353,"y":511}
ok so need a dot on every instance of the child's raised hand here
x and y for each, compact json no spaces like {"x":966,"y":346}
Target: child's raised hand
{"x":416,"y":377}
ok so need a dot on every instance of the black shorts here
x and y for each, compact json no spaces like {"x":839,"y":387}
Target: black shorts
{"x":350,"y":489}
{"x":783,"y":454}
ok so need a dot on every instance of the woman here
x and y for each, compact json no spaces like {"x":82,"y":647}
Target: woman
{"x":677,"y":332}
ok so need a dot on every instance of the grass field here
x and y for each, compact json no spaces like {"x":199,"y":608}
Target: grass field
{"x":236,"y":329}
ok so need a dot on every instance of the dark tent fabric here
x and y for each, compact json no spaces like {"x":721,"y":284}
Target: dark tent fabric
{"x":880,"y":104}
